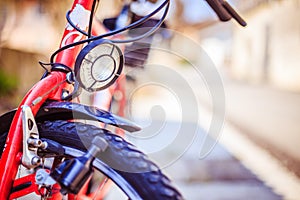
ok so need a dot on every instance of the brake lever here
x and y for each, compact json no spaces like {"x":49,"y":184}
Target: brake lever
{"x":225,"y":12}
{"x":234,"y":14}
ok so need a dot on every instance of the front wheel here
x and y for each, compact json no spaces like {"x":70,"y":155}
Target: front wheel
{"x":127,"y":167}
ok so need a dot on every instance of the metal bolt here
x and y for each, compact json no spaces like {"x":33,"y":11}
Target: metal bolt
{"x":39,"y":177}
{"x":35,"y":160}
{"x":34,"y":142}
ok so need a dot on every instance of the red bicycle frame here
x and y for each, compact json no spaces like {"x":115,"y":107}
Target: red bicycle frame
{"x":48,"y":88}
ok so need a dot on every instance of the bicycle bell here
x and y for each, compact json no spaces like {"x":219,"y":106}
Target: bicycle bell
{"x":98,"y":65}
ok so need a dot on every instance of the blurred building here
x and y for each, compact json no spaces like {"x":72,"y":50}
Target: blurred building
{"x":267,"y":50}
{"x":264,"y":52}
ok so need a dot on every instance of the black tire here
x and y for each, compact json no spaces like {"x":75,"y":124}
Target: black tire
{"x":123,"y":159}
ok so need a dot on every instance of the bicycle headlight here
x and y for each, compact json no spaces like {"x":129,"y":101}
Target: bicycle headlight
{"x":98,"y":65}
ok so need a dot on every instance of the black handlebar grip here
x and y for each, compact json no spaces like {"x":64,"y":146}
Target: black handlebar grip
{"x":217,"y":6}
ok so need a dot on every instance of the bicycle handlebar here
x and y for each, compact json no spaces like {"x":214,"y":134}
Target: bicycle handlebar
{"x":225,"y":12}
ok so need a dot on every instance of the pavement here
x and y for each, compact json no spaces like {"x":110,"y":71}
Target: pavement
{"x":176,"y":144}
{"x":269,"y":116}
{"x":220,"y":176}
{"x":254,"y":156}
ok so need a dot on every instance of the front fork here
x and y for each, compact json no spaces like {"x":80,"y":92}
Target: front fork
{"x":29,"y":159}
{"x":12,"y":155}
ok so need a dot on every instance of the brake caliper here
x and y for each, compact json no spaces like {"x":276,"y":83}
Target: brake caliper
{"x":31,"y":140}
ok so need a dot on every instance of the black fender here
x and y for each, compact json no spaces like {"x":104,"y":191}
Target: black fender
{"x":54,"y":110}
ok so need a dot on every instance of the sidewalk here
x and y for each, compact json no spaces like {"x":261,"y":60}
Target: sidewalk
{"x":268,"y":116}
{"x":217,"y":176}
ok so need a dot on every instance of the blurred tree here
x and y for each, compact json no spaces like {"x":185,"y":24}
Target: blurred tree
{"x":8,"y":83}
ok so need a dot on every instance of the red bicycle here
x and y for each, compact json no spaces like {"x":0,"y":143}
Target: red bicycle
{"x":60,"y":153}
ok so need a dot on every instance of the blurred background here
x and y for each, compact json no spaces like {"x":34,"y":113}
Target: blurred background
{"x":257,"y":153}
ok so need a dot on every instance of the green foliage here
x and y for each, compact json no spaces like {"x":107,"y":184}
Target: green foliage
{"x":8,"y":83}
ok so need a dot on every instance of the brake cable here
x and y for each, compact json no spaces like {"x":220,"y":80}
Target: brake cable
{"x":130,"y":26}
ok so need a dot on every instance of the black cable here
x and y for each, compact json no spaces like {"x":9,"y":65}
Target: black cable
{"x":137,"y":23}
{"x":67,"y":47}
{"x":88,"y":34}
{"x":130,"y":26}
{"x":42,"y":64}
{"x":73,"y":25}
{"x":54,"y":67}
{"x":148,"y":33}
{"x":91,"y":18}
{"x":46,"y":73}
